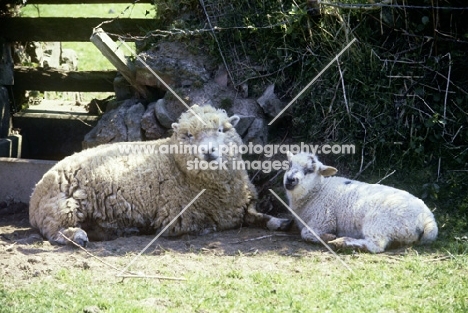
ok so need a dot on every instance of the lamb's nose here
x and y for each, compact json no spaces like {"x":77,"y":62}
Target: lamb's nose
{"x":290,"y":182}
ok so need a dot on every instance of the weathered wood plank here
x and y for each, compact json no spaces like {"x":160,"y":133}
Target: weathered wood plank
{"x":57,"y":80}
{"x":86,"y":1}
{"x":116,"y":56}
{"x":68,"y":29}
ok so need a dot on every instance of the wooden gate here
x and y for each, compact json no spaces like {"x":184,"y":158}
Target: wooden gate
{"x":58,"y":29}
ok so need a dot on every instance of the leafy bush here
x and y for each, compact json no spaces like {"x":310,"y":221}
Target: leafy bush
{"x":400,"y":94}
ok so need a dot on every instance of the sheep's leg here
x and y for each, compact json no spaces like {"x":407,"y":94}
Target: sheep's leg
{"x":76,"y":234}
{"x":367,"y":245}
{"x":64,"y":219}
{"x":264,"y":220}
{"x":307,"y":235}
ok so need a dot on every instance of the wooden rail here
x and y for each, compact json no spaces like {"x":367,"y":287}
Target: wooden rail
{"x":56,"y":80}
{"x":86,"y":1}
{"x":68,"y":29}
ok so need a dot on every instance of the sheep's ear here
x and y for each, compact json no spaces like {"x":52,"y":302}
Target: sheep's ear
{"x":175,"y":127}
{"x":289,"y":155}
{"x":327,"y":170}
{"x":233,"y":120}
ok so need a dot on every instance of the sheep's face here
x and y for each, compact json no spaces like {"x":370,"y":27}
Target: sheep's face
{"x":209,"y":142}
{"x":304,"y":168}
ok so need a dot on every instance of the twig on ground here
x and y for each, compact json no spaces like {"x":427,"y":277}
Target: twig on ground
{"x":129,"y":275}
{"x":150,"y":276}
{"x":89,"y":253}
{"x":442,"y":258}
{"x":394,"y":257}
{"x":262,"y":237}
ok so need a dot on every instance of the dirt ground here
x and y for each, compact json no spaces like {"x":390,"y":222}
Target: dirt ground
{"x":24,"y":254}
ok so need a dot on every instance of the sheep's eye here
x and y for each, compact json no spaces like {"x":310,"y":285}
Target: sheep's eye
{"x":308,"y":170}
{"x":220,"y":130}
{"x":188,"y":136}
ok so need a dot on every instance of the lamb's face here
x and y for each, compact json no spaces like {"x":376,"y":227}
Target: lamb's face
{"x":304,"y":168}
{"x":300,"y":165}
{"x":209,"y":142}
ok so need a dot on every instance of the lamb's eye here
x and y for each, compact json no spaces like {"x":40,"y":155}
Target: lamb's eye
{"x":220,"y":130}
{"x":308,"y":170}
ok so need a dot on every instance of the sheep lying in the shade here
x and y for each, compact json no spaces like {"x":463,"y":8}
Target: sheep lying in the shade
{"x":349,"y":213}
{"x":125,"y":188}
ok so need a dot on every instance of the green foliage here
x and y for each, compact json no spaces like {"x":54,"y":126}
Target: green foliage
{"x":399,"y":94}
{"x":402,"y":103}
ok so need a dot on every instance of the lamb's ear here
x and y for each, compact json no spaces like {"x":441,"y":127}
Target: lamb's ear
{"x":289,"y":155}
{"x":233,"y":120}
{"x":327,"y":170}
{"x":175,"y":127}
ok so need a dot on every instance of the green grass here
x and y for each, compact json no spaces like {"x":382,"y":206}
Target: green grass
{"x":416,"y":282}
{"x":89,"y":57}
{"x":90,"y":10}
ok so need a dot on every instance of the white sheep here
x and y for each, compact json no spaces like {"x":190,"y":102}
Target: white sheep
{"x":125,"y":188}
{"x":349,"y":213}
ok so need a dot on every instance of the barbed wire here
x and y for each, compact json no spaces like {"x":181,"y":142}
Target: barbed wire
{"x":342,"y":5}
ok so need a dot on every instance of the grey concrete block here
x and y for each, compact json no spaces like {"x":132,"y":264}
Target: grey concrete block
{"x":19,"y":176}
{"x":10,"y":147}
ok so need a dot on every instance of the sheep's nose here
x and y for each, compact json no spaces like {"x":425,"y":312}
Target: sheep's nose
{"x":209,"y":153}
{"x":207,"y":149}
{"x":290,"y":182}
{"x":210,"y":157}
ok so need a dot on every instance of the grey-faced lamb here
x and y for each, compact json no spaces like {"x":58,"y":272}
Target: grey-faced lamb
{"x":352,"y":214}
{"x":128,"y":188}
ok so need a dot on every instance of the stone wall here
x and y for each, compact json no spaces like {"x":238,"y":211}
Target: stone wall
{"x":194,"y":77}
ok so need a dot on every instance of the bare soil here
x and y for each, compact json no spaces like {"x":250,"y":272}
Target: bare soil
{"x":24,"y":254}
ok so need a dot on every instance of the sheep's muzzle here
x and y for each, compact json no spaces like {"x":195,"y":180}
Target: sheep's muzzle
{"x":290,"y":182}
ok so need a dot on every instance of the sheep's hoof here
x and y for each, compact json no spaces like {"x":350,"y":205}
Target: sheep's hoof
{"x":349,"y":244}
{"x":279,"y":224}
{"x":81,"y":238}
{"x":286,"y":224}
{"x":338,"y":243}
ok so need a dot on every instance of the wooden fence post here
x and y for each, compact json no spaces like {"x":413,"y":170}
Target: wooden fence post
{"x":115,"y":55}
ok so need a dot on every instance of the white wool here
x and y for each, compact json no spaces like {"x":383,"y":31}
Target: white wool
{"x":104,"y":193}
{"x":360,"y":215}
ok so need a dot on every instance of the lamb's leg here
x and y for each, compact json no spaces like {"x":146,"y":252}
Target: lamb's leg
{"x":307,"y":235}
{"x":366,"y":245}
{"x":264,"y":220}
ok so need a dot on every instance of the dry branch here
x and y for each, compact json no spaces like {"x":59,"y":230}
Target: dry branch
{"x":262,"y":237}
{"x":129,"y":275}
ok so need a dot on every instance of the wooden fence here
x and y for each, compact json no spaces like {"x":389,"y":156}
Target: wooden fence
{"x":46,"y":134}
{"x":59,"y":29}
